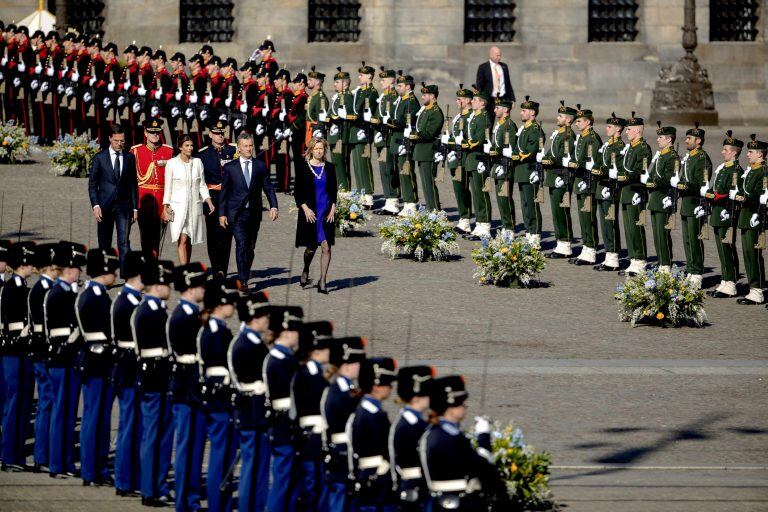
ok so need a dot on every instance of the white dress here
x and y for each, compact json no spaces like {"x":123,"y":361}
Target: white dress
{"x":185,"y":191}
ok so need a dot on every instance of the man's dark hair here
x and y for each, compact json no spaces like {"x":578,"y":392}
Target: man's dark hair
{"x":115,"y":129}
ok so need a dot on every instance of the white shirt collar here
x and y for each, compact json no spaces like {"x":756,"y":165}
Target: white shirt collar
{"x":243,"y":160}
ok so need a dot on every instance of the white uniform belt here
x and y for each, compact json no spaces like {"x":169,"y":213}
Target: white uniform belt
{"x":94,"y":336}
{"x":127,"y":344}
{"x":257,"y":387}
{"x":281,"y":404}
{"x":153,"y":352}
{"x":370,"y":462}
{"x":339,"y":438}
{"x":216,"y":371}
{"x":186,"y":358}
{"x":60,"y":331}
{"x":315,"y":421}
{"x":410,"y":473}
{"x":448,"y":486}
{"x":15,"y":326}
{"x":37,"y":327}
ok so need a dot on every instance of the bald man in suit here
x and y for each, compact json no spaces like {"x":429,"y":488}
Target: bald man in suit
{"x":493,"y":78}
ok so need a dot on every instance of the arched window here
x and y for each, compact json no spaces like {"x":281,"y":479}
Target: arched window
{"x":205,"y":21}
{"x":334,"y":21}
{"x":487,"y":21}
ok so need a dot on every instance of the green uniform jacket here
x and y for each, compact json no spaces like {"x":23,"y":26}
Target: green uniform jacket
{"x":429,"y":124}
{"x":345,"y":99}
{"x":527,"y":147}
{"x":475,"y":138}
{"x":588,"y":145}
{"x":504,"y":135}
{"x":604,"y":162}
{"x":751,"y":187}
{"x":403,"y":105}
{"x":692,"y":179}
{"x":632,"y":167}
{"x":720,"y":185}
{"x":359,"y":95}
{"x":457,"y":128}
{"x":562,"y":142}
{"x":660,"y":172}
{"x":384,"y":107}
{"x":318,"y":102}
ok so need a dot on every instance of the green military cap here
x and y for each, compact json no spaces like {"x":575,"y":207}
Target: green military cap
{"x":341,"y":75}
{"x":616,"y":121}
{"x":154,"y":125}
{"x":315,"y":74}
{"x":730,"y":141}
{"x":582,"y":112}
{"x":404,"y":79}
{"x":464,"y":93}
{"x":569,"y":111}
{"x":366,"y":70}
{"x":635,"y":121}
{"x":387,"y":73}
{"x":669,"y":131}
{"x":757,"y":144}
{"x":502,"y":102}
{"x":429,"y":89}
{"x":219,"y":128}
{"x":528,"y":104}
{"x":695,"y":131}
{"x":480,"y":94}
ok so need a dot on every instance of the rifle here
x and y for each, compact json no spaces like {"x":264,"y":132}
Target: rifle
{"x":763,"y":216}
{"x":506,"y":165}
{"x":566,"y":202}
{"x":673,"y":194}
{"x":707,"y":207}
{"x":488,"y":162}
{"x":586,"y":176}
{"x":408,"y":145}
{"x":367,"y":128}
{"x":539,"y":170}
{"x":237,"y":119}
{"x":641,"y":221}
{"x":458,"y":150}
{"x":444,"y":147}
{"x":733,"y":210}
{"x":614,"y":186}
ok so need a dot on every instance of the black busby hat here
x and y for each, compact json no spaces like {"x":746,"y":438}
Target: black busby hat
{"x":214,"y":61}
{"x":268,"y":45}
{"x":191,"y":275}
{"x":44,"y":254}
{"x":667,"y":131}
{"x":229,"y":61}
{"x":756,"y":144}
{"x":284,"y":74}
{"x":387,"y":73}
{"x":447,"y":392}
{"x":110,"y":47}
{"x":377,"y":371}
{"x":159,"y":54}
{"x":248,"y":66}
{"x":220,"y":292}
{"x":178,"y":56}
{"x":154,"y":125}
{"x":70,"y":255}
{"x":315,"y":74}
{"x":220,"y":127}
{"x":731,"y":141}
{"x":695,"y":131}
{"x":133,"y":265}
{"x":366,"y":70}
{"x":157,"y":272}
{"x":529,"y":104}
{"x":196,"y":58}
{"x":413,"y":381}
{"x":285,"y":318}
{"x":102,"y":261}
{"x":69,"y":36}
{"x":11,"y":27}
{"x":404,"y":79}
{"x":582,"y":112}
{"x":462,"y":92}
{"x":206,"y":48}
{"x":616,"y":121}
{"x":347,"y":350}
{"x":95,"y":41}
{"x":502,"y":102}
{"x":300,"y":78}
{"x":21,"y":254}
{"x":315,"y":336}
{"x":5,"y":250}
{"x":253,"y":305}
{"x":38,"y":33}
{"x":429,"y":89}
{"x":635,"y":121}
{"x":566,"y":110}
{"x":22,"y":29}
{"x":53,"y":35}
{"x":131,"y":48}
{"x":340,"y":75}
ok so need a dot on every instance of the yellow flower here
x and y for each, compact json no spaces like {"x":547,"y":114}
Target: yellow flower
{"x":353,"y":215}
{"x":417,"y":226}
{"x":504,"y":250}
{"x":513,"y":467}
{"x":659,"y":316}
{"x":514,"y":258}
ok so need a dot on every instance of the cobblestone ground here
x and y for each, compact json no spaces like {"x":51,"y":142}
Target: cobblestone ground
{"x":641,"y":419}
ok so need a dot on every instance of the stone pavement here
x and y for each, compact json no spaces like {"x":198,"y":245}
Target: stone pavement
{"x":637,"y":419}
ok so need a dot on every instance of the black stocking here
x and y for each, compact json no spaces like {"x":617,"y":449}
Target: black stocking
{"x":325,"y":262}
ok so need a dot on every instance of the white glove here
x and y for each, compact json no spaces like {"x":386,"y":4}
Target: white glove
{"x":4,"y":61}
{"x":208,"y":98}
{"x":322,"y":116}
{"x":367,"y":116}
{"x":189,"y":113}
{"x":724,"y":215}
{"x":605,"y":193}
{"x":223,"y":117}
{"x":559,"y":182}
{"x":590,"y":164}
{"x":228,"y":102}
{"x":158,"y":94}
{"x":334,"y":130}
{"x":111,"y":86}
{"x":237,"y":124}
{"x":540,"y":155}
{"x":459,"y":139}
{"x":318,"y":134}
{"x":34,"y":84}
{"x":482,"y":426}
{"x":175,"y":112}
{"x":401,"y":150}
{"x":193,"y":97}
{"x":506,"y":152}
{"x":703,"y":190}
{"x":70,"y":91}
{"x":666,"y":203}
{"x":732,"y":194}
{"x":451,"y":156}
{"x":16,"y":82}
{"x":533,"y":178}
{"x":244,"y":108}
{"x":281,"y":116}
{"x":754,"y":221}
{"x":39,"y":69}
{"x":360,"y":134}
{"x":764,"y":197}
{"x":178,"y":95}
{"x":378,"y":138}
{"x":407,"y":131}
{"x":50,"y":71}
{"x":499,"y":171}
{"x":644,"y":178}
{"x":699,"y":212}
{"x":487,"y":148}
{"x":142,"y":91}
{"x":673,"y":181}
{"x":342,"y":112}
{"x":136,"y":108}
{"x":203,"y":115}
{"x":87,"y":97}
{"x":480,"y":167}
{"x":444,"y":138}
{"x":613,"y":173}
{"x":43,"y":87}
{"x":23,"y":67}
{"x":636,"y":199}
{"x":287,"y":133}
{"x":264,"y":112}
{"x":24,"y":332}
{"x":278,"y":133}
{"x":92,"y":81}
{"x":74,"y":336}
{"x":74,"y":77}
{"x":438,"y":157}
{"x":60,"y":89}
{"x":106,"y":103}
{"x":566,"y":160}
{"x":625,"y":149}
{"x":154,"y":111}
{"x":582,"y":186}
{"x":260,"y":129}
{"x":126,"y":85}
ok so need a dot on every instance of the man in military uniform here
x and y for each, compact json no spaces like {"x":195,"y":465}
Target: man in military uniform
{"x":402,"y":122}
{"x":696,"y":170}
{"x":317,"y":106}
{"x":751,"y":187}
{"x":636,"y":155}
{"x":159,"y":94}
{"x":278,"y":117}
{"x":559,"y":179}
{"x":268,"y":62}
{"x":607,"y":192}
{"x":425,"y":138}
{"x":716,"y":193}
{"x":476,"y":164}
{"x":108,"y":98}
{"x":530,"y":144}
{"x":175,"y":95}
{"x":364,"y":97}
{"x":93,"y":307}
{"x":127,"y":88}
{"x":214,"y":157}
{"x":503,"y":139}
{"x":151,"y":158}
{"x":456,"y":159}
{"x":665,"y":165}
{"x":81,"y":70}
{"x":338,"y":130}
{"x":296,"y":121}
{"x":241,"y":114}
{"x":197,"y":85}
{"x":94,"y":84}
{"x":5,"y":246}
{"x":390,"y":179}
{"x":265,"y":97}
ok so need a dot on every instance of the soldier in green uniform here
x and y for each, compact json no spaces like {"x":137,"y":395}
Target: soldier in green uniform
{"x":317,"y":106}
{"x":665,"y":165}
{"x":716,"y":192}
{"x":588,"y":144}
{"x":696,"y":167}
{"x":390,"y":180}
{"x":751,"y":187}
{"x":558,"y":179}
{"x":365,"y":98}
{"x":456,"y":159}
{"x":477,"y":126}
{"x":530,"y":148}
{"x":338,"y":133}
{"x":607,"y":192}
{"x":637,"y":154}
{"x":426,"y":139}
{"x":503,"y":139}
{"x":402,"y":124}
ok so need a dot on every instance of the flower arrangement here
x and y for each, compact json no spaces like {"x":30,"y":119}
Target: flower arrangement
{"x":71,"y":156}
{"x":662,"y":297}
{"x":423,"y":235}
{"x":350,"y":214}
{"x":15,"y":144}
{"x":507,"y":261}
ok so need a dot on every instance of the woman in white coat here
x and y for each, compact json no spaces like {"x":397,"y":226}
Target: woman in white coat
{"x":185,"y":191}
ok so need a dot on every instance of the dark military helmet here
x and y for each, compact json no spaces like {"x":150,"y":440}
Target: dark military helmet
{"x":447,"y":392}
{"x":429,"y":89}
{"x":616,"y":121}
{"x":566,"y":110}
{"x":191,"y":275}
{"x":220,"y":292}
{"x":366,"y":70}
{"x":731,"y":141}
{"x":44,"y":254}
{"x":133,"y":265}
{"x":285,"y":318}
{"x":635,"y":121}
{"x":21,"y":254}
{"x":178,"y":56}
{"x":377,"y":371}
{"x":413,"y":381}
{"x":529,"y":104}
{"x":102,"y":261}
{"x":695,"y":131}
{"x":667,"y":131}
{"x":757,"y":144}
{"x":315,"y":336}
{"x":70,"y":255}
{"x":462,"y":92}
{"x":157,"y":272}
{"x":387,"y":73}
{"x":340,"y":75}
{"x":315,"y":74}
{"x":154,"y":125}
{"x":347,"y":350}
{"x":253,"y":305}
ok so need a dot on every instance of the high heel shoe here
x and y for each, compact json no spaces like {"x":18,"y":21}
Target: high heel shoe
{"x":304,"y":279}
{"x":322,"y":289}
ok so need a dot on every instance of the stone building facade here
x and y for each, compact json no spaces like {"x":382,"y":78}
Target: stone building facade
{"x":550,"y":57}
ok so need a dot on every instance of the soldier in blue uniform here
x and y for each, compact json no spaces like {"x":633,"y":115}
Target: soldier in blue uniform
{"x":183,"y":326}
{"x":315,"y":340}
{"x":17,"y":368}
{"x":280,"y":366}
{"x":339,"y":401}
{"x":63,"y":334}
{"x":214,"y":157}
{"x":455,"y":471}
{"x":39,"y":350}
{"x":124,"y":373}
{"x":212,"y":345}
{"x":245,"y":359}
{"x":5,"y":246}
{"x":93,"y":307}
{"x":413,"y":387}
{"x":149,"y":332}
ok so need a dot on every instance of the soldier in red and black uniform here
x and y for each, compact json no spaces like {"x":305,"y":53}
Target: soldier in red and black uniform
{"x":230,"y":88}
{"x":3,"y":69}
{"x":64,"y":89}
{"x":8,"y":66}
{"x":175,"y":95}
{"x":245,"y":101}
{"x":93,"y":84}
{"x":195,"y":97}
{"x":79,"y":107}
{"x":296,"y":120}
{"x":216,"y":92}
{"x":161,"y":82}
{"x":106,"y":100}
{"x":261,"y":120}
{"x":50,"y":85}
{"x":206,"y":52}
{"x":25,"y":64}
{"x":139,"y":97}
{"x":268,"y":62}
{"x":126,"y":87}
{"x":36,"y":74}
{"x":279,"y":122}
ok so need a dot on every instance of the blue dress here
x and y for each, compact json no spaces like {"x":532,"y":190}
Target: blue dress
{"x":321,"y":201}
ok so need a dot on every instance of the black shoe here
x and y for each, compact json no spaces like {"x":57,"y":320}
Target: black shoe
{"x":602,"y":267}
{"x":107,"y":481}
{"x":304,"y":279}
{"x":747,"y":302}
{"x":580,"y":263}
{"x":12,"y":468}
{"x":717,"y":294}
{"x":89,"y":483}
{"x":627,"y":273}
{"x":152,"y":502}
{"x":322,"y":289}
{"x":382,"y":211}
{"x":126,"y":494}
{"x":556,"y":256}
{"x":60,"y":476}
{"x":367,"y":207}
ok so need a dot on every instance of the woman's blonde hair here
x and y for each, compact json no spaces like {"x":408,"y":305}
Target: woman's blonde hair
{"x":312,"y":143}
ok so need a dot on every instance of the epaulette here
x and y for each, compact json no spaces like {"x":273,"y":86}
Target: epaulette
{"x":136,"y":146}
{"x":202,"y":149}
{"x":167,"y":146}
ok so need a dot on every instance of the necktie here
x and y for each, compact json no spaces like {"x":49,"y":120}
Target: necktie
{"x":116,"y":165}
{"x":247,"y":173}
{"x":495,"y":72}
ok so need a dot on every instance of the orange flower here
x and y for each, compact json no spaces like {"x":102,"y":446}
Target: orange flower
{"x":659,"y":316}
{"x":353,"y":215}
{"x":513,"y":467}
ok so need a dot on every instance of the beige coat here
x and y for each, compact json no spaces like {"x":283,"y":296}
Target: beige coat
{"x":185,"y":192}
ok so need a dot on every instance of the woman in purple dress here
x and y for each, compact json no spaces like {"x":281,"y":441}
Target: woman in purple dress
{"x":316,"y":193}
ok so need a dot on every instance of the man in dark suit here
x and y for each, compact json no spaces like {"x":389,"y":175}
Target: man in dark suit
{"x":114,"y":193}
{"x":240,"y":203}
{"x":493,"y":78}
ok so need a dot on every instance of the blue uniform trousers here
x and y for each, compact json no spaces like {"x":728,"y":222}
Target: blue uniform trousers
{"x":156,"y":444}
{"x":19,"y":391}
{"x":281,"y":495}
{"x":66,"y":393}
{"x":312,"y":489}
{"x":127,"y":465}
{"x":188,"y":463}
{"x":43,"y":413}
{"x":220,"y":429}
{"x":254,"y":471}
{"x":95,"y":429}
